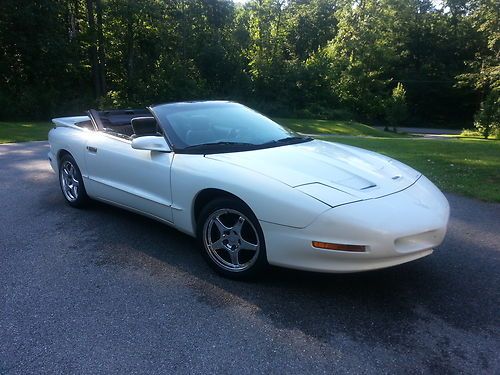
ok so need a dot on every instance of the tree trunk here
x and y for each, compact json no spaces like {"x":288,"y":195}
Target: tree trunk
{"x":94,"y":60}
{"x":73,"y":14}
{"x":130,"y":50}
{"x":100,"y":48}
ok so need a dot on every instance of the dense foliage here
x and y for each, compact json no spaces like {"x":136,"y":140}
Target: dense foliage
{"x":396,"y":109}
{"x":326,"y":58}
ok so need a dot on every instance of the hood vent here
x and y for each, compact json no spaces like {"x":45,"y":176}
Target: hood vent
{"x":369,"y":187}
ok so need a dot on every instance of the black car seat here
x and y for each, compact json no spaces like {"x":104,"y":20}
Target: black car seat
{"x":144,"y":126}
{"x":200,"y":131}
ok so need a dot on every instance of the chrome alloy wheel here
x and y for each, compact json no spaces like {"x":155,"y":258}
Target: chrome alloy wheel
{"x":69,"y":181}
{"x":231,"y":240}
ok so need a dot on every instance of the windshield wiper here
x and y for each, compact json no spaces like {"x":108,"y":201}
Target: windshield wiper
{"x":293,"y":139}
{"x":221,"y":143}
{"x":212,"y":145}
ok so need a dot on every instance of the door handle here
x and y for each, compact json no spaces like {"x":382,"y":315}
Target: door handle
{"x":92,"y":149}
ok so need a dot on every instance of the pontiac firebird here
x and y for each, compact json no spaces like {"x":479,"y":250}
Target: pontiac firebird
{"x":251,"y":191}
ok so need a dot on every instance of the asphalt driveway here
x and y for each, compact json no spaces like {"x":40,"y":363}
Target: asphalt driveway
{"x":102,"y":290}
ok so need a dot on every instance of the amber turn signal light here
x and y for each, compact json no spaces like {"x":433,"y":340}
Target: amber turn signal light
{"x":339,"y":247}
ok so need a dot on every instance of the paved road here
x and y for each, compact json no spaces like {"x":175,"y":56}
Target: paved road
{"x":425,"y":131}
{"x":428,"y":133}
{"x":106,"y":291}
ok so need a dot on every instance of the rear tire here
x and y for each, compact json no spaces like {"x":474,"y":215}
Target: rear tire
{"x":71,"y":182}
{"x":231,"y":239}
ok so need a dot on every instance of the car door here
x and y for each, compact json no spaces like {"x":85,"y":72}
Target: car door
{"x":135,"y":179}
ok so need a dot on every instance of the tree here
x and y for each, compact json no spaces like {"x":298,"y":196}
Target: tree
{"x":310,"y":26}
{"x":265,"y":24}
{"x":42,"y":67}
{"x":362,"y":53}
{"x":483,"y":71}
{"x":487,"y":119}
{"x":313,"y":57}
{"x":396,"y":108}
{"x":437,"y":42}
{"x":96,"y":46}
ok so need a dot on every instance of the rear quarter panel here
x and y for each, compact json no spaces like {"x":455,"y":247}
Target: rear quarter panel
{"x":72,"y":140}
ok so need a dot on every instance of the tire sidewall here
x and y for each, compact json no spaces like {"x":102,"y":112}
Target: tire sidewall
{"x":82,"y":198}
{"x":261,"y":261}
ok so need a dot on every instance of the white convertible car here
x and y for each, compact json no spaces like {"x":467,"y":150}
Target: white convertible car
{"x":252,"y":192}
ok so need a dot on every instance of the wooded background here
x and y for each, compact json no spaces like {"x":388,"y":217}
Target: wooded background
{"x":317,"y":58}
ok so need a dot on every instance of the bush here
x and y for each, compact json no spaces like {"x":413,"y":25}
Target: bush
{"x":487,"y":119}
{"x":396,"y":109}
{"x":470,"y":133}
{"x":317,"y":111}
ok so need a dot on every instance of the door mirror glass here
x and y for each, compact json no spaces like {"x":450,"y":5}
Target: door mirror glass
{"x":151,"y":143}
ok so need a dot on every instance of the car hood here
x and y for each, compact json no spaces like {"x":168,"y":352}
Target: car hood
{"x":314,"y":165}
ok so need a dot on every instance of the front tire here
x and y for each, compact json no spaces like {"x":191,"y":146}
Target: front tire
{"x":71,"y":182}
{"x":231,"y":239}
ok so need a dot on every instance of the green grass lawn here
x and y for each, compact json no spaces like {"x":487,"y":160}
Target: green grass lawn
{"x":36,"y":131}
{"x":465,"y":166}
{"x":351,"y":128}
{"x":23,"y":131}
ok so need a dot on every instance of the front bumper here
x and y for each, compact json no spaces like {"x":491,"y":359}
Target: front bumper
{"x":395,"y":229}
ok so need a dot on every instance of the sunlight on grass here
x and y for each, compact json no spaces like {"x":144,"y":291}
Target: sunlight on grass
{"x":466,"y":166}
{"x":32,"y":131}
{"x":23,"y":131}
{"x":350,"y":128}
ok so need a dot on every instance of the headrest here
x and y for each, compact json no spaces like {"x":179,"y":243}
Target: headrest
{"x":198,"y":123}
{"x":144,"y":126}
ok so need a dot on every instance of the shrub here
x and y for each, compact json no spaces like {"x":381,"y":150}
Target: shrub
{"x":487,"y":119}
{"x":396,"y":109}
{"x":317,"y":111}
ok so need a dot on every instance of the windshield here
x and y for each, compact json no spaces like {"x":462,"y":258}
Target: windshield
{"x":215,"y":126}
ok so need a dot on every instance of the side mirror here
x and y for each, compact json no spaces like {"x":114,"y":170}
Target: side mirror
{"x":151,"y":143}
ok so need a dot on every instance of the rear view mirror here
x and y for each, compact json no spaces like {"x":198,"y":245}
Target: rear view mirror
{"x":151,"y":143}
